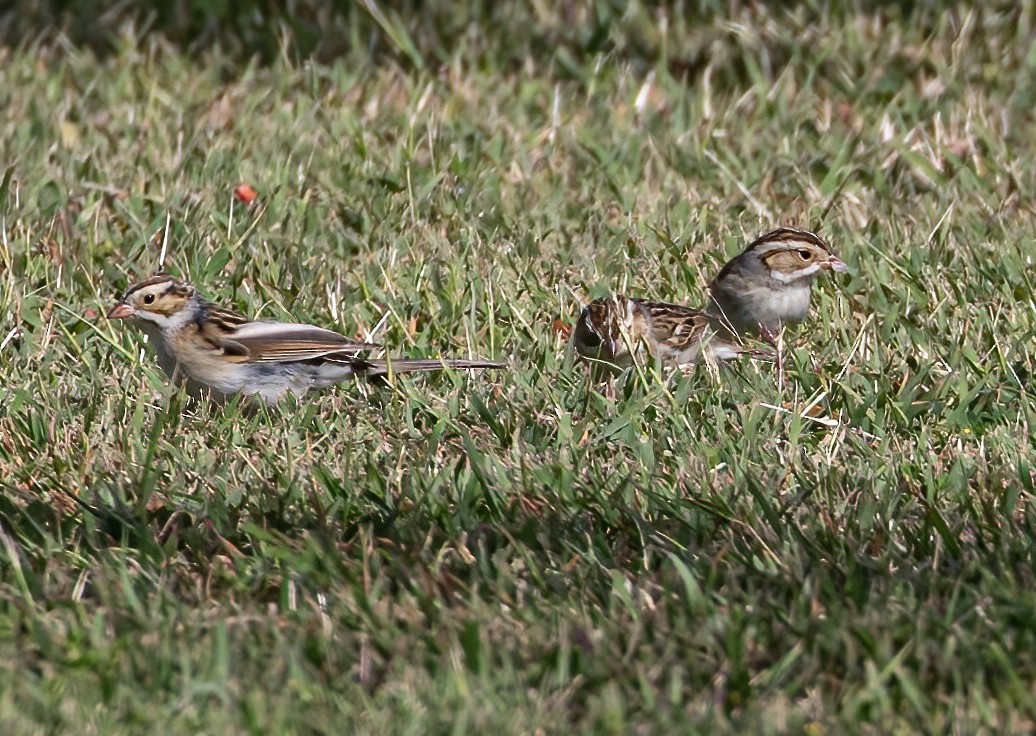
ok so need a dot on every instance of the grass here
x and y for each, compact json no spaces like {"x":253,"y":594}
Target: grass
{"x":846,"y":547}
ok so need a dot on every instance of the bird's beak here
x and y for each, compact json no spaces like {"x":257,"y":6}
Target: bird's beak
{"x":120,"y":311}
{"x":834,"y":263}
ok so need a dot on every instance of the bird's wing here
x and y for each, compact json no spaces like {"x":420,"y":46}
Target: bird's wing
{"x":279,"y":342}
{"x":674,"y":326}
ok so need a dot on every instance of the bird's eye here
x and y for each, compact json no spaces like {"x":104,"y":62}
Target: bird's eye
{"x":149,"y":299}
{"x":805,"y":254}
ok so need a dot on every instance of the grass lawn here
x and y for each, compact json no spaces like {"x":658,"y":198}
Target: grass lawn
{"x":846,"y":547}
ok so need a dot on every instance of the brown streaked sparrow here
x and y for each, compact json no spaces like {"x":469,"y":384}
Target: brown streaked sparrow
{"x":216,"y":351}
{"x":756,"y":294}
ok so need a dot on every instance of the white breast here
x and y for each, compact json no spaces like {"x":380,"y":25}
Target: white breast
{"x":774,"y":308}
{"x":792,"y":304}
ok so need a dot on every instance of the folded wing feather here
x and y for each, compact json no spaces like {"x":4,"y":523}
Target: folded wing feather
{"x":283,"y":342}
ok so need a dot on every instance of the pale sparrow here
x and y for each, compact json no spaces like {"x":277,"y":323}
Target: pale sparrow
{"x":215,"y":351}
{"x":756,"y":294}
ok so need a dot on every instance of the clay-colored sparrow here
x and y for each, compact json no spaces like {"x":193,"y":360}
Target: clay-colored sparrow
{"x":757,"y":293}
{"x":218,"y":352}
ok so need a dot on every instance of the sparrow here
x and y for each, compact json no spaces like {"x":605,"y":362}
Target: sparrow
{"x":220,"y":353}
{"x":756,"y":294}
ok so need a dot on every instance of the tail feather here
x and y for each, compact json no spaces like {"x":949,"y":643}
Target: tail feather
{"x":379,"y":366}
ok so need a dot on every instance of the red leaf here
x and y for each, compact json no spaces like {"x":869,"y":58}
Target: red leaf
{"x":245,"y":193}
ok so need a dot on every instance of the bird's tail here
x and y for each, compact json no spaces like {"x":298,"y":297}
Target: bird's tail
{"x":380,"y":367}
